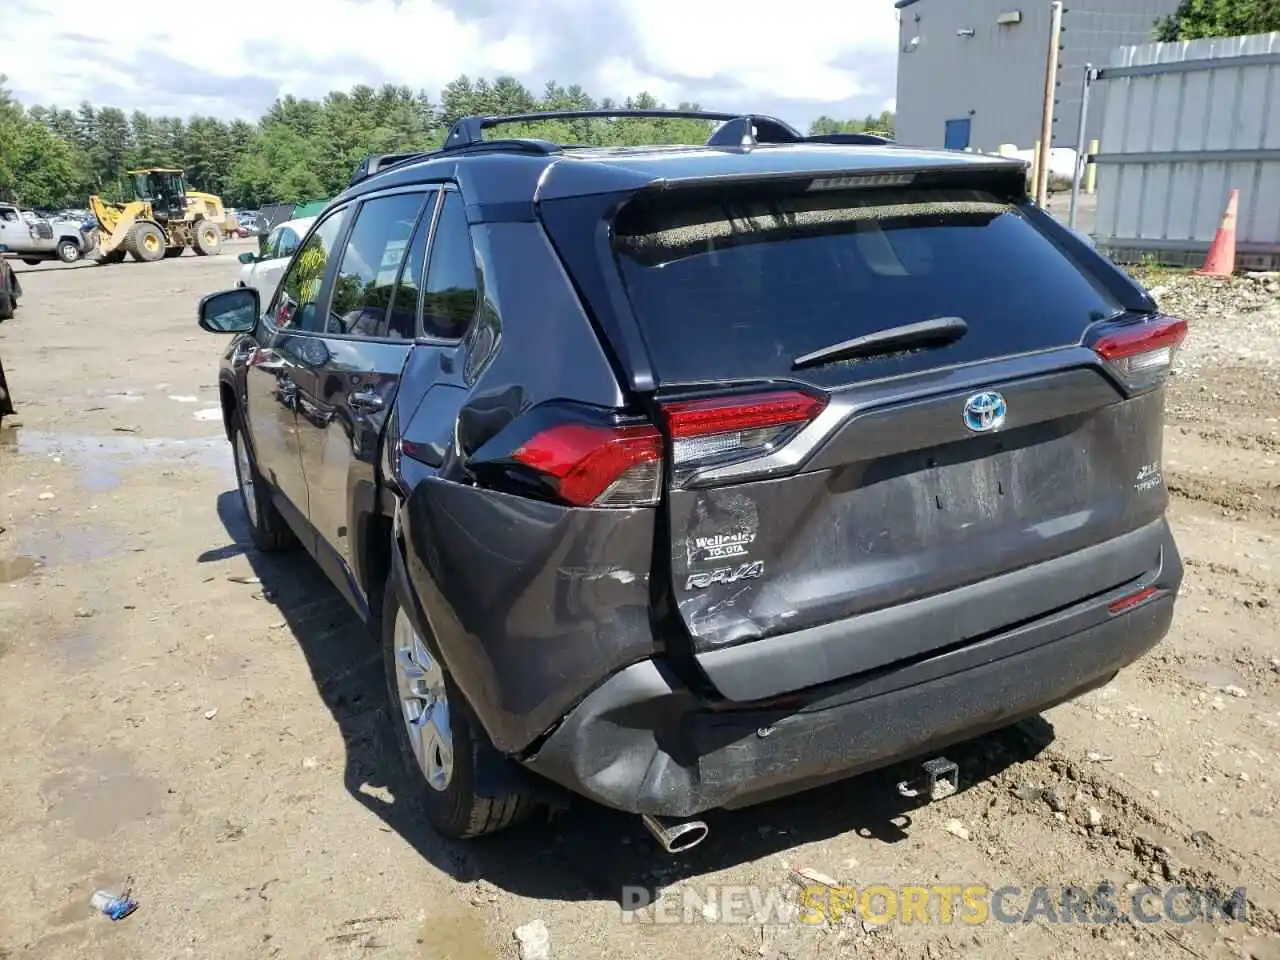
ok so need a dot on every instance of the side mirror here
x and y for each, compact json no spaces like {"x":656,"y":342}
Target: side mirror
{"x":230,"y":311}
{"x":247,"y":258}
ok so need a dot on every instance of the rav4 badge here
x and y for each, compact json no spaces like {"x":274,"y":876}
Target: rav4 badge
{"x":748,"y":571}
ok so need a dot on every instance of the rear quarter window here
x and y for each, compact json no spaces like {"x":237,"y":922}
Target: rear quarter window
{"x":737,"y":287}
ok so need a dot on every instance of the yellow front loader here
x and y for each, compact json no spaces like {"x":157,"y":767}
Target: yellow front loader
{"x":163,"y":221}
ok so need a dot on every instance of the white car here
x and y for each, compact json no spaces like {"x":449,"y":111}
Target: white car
{"x":262,"y":271}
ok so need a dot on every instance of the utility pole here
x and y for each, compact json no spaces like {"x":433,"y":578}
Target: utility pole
{"x":1050,"y":92}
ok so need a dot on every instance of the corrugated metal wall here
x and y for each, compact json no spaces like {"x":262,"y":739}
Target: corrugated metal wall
{"x":994,"y":76}
{"x":1184,"y":123}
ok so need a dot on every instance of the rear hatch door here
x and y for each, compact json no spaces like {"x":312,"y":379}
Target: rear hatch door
{"x":850,"y":498}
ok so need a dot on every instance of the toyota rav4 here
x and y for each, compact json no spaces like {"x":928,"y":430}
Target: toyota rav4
{"x":684,"y":477}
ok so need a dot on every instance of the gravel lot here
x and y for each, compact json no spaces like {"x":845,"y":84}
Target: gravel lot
{"x":220,"y":747}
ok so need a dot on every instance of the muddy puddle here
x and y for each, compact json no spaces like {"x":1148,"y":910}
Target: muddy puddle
{"x":70,"y":546}
{"x":15,"y":568}
{"x":100,"y":461}
{"x":97,"y":794}
{"x":1213,"y":675}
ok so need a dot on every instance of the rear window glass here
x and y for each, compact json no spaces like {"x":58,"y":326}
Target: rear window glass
{"x":728,"y":289}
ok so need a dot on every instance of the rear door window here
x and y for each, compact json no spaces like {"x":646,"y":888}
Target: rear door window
{"x":402,"y":319}
{"x":737,"y":289}
{"x":366,"y":279}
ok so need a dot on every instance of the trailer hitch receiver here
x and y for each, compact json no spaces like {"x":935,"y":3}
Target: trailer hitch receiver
{"x":939,"y":778}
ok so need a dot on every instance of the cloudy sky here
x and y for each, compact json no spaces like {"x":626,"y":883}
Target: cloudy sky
{"x":795,"y":58}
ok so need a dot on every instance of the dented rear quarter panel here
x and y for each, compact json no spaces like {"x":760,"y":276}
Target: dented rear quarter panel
{"x":532,"y":604}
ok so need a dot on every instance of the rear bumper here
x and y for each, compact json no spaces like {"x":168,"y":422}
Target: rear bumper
{"x":642,"y":743}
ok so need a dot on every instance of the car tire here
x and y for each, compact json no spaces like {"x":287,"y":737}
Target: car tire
{"x":69,"y":251}
{"x":32,"y":261}
{"x":146,"y":242}
{"x":267,"y":527}
{"x":206,"y":238}
{"x":444,"y":792}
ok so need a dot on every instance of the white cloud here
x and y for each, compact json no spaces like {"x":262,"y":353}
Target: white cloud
{"x":780,"y":49}
{"x":137,"y":55}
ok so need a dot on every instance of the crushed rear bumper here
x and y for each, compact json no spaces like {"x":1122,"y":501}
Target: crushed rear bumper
{"x":643,"y":743}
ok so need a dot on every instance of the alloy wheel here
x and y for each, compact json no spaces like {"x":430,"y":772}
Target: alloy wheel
{"x":424,"y":704}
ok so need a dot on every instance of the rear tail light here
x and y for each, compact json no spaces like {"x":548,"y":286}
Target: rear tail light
{"x":591,"y":464}
{"x":1142,"y":355}
{"x":731,"y":429}
{"x":596,"y":465}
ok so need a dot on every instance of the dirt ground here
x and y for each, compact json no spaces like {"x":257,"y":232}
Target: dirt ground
{"x":219,"y":747}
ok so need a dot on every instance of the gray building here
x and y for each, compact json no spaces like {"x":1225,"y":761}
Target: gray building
{"x":971,"y":72}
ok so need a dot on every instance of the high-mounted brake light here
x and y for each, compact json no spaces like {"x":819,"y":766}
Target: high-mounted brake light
{"x":723,"y":429}
{"x":596,"y":465}
{"x":1143,"y":354}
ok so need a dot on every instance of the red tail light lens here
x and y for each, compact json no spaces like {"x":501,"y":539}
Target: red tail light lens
{"x":598,"y":466}
{"x":1143,"y":354}
{"x":601,"y":466}
{"x":1132,"y":600}
{"x":724,"y":429}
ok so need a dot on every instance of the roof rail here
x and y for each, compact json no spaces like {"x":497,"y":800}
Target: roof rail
{"x":849,"y":138}
{"x":751,"y":131}
{"x":470,"y":130}
{"x":736,"y":130}
{"x":377,"y":163}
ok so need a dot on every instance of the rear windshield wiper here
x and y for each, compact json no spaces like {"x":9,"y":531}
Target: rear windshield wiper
{"x":937,"y":332}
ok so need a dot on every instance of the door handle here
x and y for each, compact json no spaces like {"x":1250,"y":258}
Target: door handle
{"x":366,"y":401}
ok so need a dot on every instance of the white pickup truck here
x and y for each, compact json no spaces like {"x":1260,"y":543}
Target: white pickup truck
{"x":33,"y":241}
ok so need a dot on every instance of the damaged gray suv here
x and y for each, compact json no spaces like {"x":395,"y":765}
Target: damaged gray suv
{"x":683,"y":477}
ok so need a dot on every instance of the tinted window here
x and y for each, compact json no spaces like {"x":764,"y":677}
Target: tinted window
{"x":288,"y":243}
{"x":271,"y":245}
{"x":452,"y":290}
{"x":739,"y":290}
{"x":294,"y":305}
{"x":371,"y":262}
{"x":402,"y":321}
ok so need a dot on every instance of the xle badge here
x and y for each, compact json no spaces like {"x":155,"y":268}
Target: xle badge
{"x":748,"y":571}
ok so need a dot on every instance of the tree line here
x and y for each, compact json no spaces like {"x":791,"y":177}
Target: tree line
{"x":1198,"y":19}
{"x":301,"y":149}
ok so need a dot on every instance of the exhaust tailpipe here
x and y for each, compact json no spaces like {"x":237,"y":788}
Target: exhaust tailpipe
{"x":675,"y":836}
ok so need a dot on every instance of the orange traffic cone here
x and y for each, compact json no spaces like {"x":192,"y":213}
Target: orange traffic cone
{"x":1221,"y":261}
